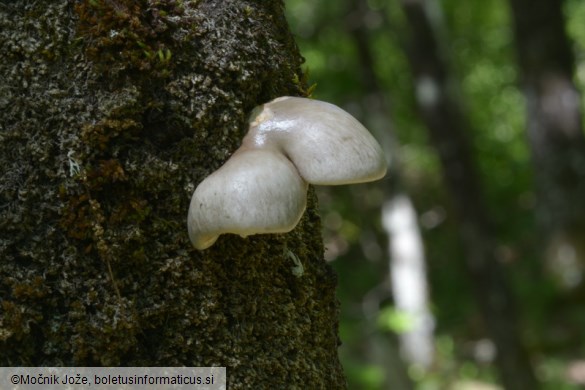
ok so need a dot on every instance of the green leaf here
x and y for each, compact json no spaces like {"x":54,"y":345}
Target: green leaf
{"x":394,"y":320}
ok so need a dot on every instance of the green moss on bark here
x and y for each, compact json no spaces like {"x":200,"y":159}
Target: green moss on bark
{"x":112,"y":112}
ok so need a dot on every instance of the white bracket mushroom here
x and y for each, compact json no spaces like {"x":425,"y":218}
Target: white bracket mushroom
{"x":262,"y":187}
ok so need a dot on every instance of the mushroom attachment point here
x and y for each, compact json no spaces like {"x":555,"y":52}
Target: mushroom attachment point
{"x":262,"y":187}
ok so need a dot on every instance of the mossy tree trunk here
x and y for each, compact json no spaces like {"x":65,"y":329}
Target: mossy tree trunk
{"x":112,"y":111}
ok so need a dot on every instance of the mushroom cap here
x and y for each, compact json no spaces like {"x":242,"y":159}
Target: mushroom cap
{"x":255,"y":191}
{"x":326,"y":144}
{"x":262,"y":188}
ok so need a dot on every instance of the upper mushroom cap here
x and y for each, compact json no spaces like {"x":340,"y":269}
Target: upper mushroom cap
{"x":327,"y":145}
{"x":255,"y":191}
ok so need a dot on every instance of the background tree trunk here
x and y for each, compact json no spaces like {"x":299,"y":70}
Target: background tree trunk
{"x":112,"y":112}
{"x":555,"y":132}
{"x":445,"y":119}
{"x":406,"y":257}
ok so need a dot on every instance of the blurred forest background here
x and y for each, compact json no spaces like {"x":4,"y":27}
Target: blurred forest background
{"x":463,"y":268}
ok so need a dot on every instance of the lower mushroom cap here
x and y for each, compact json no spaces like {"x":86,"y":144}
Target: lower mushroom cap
{"x":254,"y":192}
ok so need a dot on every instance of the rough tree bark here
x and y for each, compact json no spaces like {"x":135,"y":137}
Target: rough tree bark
{"x":447,"y":125}
{"x":112,"y":111}
{"x":555,"y":132}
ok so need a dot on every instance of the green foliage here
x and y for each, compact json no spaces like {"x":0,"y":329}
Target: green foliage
{"x":477,"y":40}
{"x":368,"y":376}
{"x":394,"y":320}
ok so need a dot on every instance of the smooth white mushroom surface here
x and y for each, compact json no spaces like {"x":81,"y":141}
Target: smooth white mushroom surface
{"x":327,"y":145}
{"x":262,"y":188}
{"x":255,"y":191}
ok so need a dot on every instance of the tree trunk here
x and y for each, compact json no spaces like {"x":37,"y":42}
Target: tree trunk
{"x":445,"y":120}
{"x":112,"y":112}
{"x":555,"y":132}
